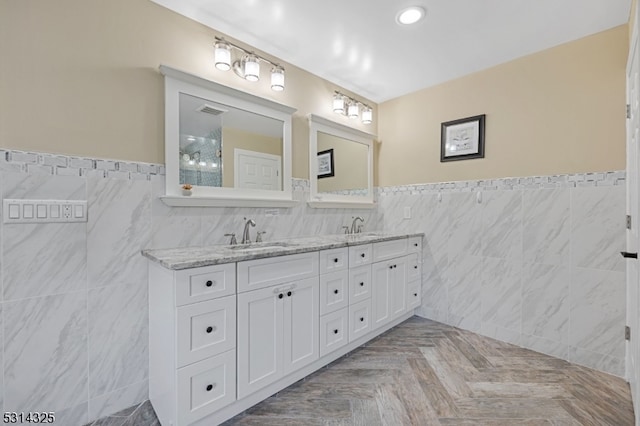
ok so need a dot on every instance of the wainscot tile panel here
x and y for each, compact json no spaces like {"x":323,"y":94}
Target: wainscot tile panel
{"x":118,"y":400}
{"x":45,"y":354}
{"x":118,"y":337}
{"x":529,"y":260}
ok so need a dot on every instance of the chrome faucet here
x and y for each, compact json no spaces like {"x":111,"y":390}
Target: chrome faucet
{"x":355,"y":229}
{"x":246,"y":239}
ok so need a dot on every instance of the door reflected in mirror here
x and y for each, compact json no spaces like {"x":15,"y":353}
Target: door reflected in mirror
{"x":343,"y":165}
{"x":221,"y":146}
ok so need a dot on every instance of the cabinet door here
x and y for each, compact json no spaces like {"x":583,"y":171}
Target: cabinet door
{"x":381,"y":297}
{"x":334,"y":331}
{"x":398,"y":287}
{"x":301,"y":318}
{"x":359,"y":319}
{"x":260,"y":339}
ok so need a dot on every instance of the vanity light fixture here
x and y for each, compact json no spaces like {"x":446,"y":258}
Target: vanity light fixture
{"x":346,"y":105}
{"x":248,"y":65}
{"x":353,"y":110}
{"x":338,"y":103}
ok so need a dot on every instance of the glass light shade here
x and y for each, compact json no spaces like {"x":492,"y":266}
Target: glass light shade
{"x":367,"y":116}
{"x":277,"y":79}
{"x":410,"y":15}
{"x":222,"y":55}
{"x":251,"y":68}
{"x":338,"y":104}
{"x":353,"y":110}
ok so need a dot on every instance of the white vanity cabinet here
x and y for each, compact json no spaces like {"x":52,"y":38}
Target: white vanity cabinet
{"x":192,"y":340}
{"x":278,"y":324}
{"x":223,"y":338}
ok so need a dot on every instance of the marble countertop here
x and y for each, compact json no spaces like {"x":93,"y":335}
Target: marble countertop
{"x":194,"y":257}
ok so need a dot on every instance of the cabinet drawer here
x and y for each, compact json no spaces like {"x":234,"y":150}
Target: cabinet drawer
{"x":333,"y":331}
{"x":334,"y":293}
{"x":414,"y":296}
{"x":209,"y":282}
{"x":389,"y":249}
{"x":359,"y":283}
{"x":206,"y":386}
{"x":206,"y":329}
{"x":413,"y":265}
{"x":359,"y":319}
{"x":261,"y":273}
{"x":334,"y":260}
{"x":415,"y":244}
{"x":360,"y":255}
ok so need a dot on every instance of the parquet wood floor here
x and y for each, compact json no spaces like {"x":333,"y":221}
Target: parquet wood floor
{"x":427,"y":373}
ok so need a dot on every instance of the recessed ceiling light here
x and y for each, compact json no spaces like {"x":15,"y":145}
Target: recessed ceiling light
{"x":410,"y":15}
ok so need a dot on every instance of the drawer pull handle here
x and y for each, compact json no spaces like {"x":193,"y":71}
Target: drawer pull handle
{"x":211,"y":329}
{"x":335,"y":331}
{"x":210,"y":387}
{"x":415,"y":294}
{"x":361,"y":284}
{"x":335,"y":291}
{"x":415,"y":244}
{"x":361,"y":319}
{"x":415,"y":267}
{"x":280,"y":296}
{"x":390,"y":266}
{"x":289,"y":293}
{"x":335,"y":260}
{"x":209,"y":283}
{"x":362,"y":255}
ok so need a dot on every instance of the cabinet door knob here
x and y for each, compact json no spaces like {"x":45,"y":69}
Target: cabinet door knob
{"x":361,"y":319}
{"x":415,"y":267}
{"x":209,"y":283}
{"x":415,"y":244}
{"x":335,"y":291}
{"x":210,"y":329}
{"x":289,"y":293}
{"x":362,"y":255}
{"x":415,"y":294}
{"x":335,"y":260}
{"x":280,"y":296}
{"x":335,"y":331}
{"x":390,"y":266}
{"x":210,"y":387}
{"x":361,"y":284}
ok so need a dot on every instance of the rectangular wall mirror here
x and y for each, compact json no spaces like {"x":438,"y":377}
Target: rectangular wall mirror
{"x":233,"y":148}
{"x":340,"y":164}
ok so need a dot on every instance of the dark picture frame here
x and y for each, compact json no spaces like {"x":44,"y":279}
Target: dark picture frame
{"x":325,"y":164}
{"x":462,"y":139}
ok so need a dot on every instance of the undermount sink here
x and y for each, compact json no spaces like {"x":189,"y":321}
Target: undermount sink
{"x":261,"y":246}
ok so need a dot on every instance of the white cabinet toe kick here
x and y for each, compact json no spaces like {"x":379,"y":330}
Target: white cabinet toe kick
{"x":223,"y":338}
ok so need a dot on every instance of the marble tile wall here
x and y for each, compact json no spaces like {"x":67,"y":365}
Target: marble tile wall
{"x":532,"y":261}
{"x":74,"y":299}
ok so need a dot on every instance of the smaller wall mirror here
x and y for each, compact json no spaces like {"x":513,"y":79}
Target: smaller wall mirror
{"x":340,"y":165}
{"x":231,"y":147}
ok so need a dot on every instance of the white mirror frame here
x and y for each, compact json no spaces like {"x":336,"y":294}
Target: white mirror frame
{"x":323,"y":200}
{"x":177,"y":82}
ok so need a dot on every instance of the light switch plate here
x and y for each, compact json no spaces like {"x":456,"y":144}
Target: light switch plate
{"x":44,"y":211}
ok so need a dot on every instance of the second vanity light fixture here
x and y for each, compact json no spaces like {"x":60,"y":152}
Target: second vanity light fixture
{"x":248,"y":66}
{"x":346,"y":105}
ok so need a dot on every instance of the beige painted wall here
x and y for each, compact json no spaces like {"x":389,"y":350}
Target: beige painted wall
{"x":632,"y":17}
{"x":350,"y":162}
{"x":557,"y":111}
{"x":236,"y":138}
{"x":81,"y":78}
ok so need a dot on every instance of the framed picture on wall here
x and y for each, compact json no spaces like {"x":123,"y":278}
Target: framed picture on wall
{"x":462,"y":139}
{"x":325,"y":164}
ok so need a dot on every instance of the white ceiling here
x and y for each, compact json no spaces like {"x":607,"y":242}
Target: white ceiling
{"x":357,"y":44}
